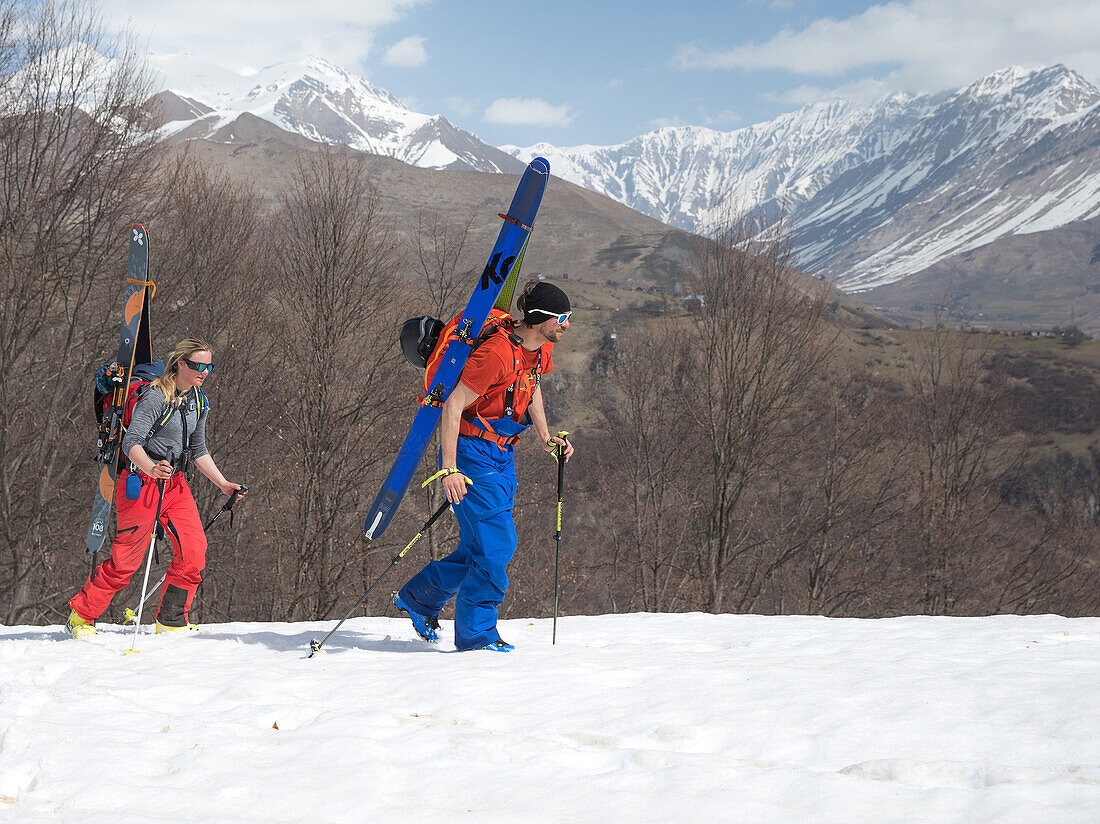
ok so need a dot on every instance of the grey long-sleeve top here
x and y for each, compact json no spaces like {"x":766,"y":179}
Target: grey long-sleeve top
{"x":169,"y":440}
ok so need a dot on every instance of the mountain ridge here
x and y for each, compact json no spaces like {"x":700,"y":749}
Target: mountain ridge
{"x":872,"y":193}
{"x":862,"y":187}
{"x":323,"y":103}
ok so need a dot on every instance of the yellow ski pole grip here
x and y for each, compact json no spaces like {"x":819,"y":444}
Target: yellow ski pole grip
{"x":450,"y":470}
{"x":558,"y":448}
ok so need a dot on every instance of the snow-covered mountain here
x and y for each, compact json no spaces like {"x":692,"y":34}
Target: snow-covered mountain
{"x":874,"y":192}
{"x":319,"y":101}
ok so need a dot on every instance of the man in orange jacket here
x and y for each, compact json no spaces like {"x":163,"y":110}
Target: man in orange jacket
{"x":497,"y":399}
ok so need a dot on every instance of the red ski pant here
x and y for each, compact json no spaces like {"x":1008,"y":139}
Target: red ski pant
{"x":182,"y":524}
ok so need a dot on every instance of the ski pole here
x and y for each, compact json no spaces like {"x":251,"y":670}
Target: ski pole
{"x":148,"y":563}
{"x":559,"y":456}
{"x":316,"y":647}
{"x":227,"y":507}
{"x":130,"y":615}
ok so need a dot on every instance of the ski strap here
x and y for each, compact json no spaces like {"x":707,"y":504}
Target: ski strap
{"x":144,"y":283}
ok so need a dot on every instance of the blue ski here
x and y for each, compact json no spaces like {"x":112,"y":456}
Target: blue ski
{"x":509,"y":246}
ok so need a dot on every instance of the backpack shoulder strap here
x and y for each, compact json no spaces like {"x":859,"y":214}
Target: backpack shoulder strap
{"x":497,"y":320}
{"x":159,"y":423}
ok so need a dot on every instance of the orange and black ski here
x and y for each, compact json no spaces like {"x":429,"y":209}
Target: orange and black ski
{"x":134,"y":347}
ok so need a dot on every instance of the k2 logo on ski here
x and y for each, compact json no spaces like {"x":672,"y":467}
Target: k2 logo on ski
{"x":492,"y":273}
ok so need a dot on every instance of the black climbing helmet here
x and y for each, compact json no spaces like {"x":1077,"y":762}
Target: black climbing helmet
{"x":418,"y":338}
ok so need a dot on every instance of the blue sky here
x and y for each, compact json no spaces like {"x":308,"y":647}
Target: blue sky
{"x":599,"y":72}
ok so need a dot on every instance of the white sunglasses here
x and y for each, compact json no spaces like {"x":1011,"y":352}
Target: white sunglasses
{"x":562,"y":318}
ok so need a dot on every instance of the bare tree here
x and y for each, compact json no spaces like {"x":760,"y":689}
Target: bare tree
{"x":213,"y":282}
{"x":337,"y":267}
{"x":1047,"y":556}
{"x":76,"y":161}
{"x":762,"y":343}
{"x":847,"y":495}
{"x":961,"y":456}
{"x":438,"y":245}
{"x":649,"y":470}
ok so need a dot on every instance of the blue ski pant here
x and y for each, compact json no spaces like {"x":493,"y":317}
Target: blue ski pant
{"x":475,"y":573}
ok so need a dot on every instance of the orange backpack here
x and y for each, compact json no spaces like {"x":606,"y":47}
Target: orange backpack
{"x":498,"y":319}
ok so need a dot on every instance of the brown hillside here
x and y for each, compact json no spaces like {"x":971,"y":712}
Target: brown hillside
{"x":1037,"y":280}
{"x":579,"y":235}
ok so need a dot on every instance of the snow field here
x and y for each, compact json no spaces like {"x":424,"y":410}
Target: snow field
{"x":629,"y":718}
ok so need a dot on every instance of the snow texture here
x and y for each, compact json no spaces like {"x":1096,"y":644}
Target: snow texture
{"x":628,"y":718}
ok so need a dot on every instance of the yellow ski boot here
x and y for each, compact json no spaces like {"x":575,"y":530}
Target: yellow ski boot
{"x":78,"y":627}
{"x":162,"y":628}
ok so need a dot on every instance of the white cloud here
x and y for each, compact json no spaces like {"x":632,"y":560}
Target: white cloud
{"x":924,"y":44}
{"x":407,"y":53}
{"x":459,"y":106}
{"x":723,"y":118}
{"x":860,"y":91}
{"x":527,"y":111}
{"x":662,"y":122}
{"x":243,"y":34}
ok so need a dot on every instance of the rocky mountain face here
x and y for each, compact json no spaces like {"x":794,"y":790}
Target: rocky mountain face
{"x":875,"y":193}
{"x":321,"y":102}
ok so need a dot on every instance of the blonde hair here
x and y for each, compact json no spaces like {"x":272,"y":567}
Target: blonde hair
{"x":184,"y":349}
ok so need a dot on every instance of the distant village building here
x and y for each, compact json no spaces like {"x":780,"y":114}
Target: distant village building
{"x":693,"y":303}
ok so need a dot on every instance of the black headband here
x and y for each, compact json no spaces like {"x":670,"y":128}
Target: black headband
{"x":547,"y":298}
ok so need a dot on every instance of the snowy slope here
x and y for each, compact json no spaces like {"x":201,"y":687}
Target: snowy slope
{"x":322,"y":102}
{"x":874,"y":192}
{"x":629,"y":718}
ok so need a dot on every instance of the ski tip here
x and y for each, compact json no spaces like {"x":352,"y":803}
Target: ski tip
{"x":540,"y":165}
{"x":314,"y":647}
{"x":128,"y":651}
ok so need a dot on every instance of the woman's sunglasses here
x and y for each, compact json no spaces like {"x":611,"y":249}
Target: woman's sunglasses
{"x":562,"y":318}
{"x":199,"y":367}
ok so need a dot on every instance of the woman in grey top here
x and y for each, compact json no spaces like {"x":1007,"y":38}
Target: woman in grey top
{"x":166,"y":435}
